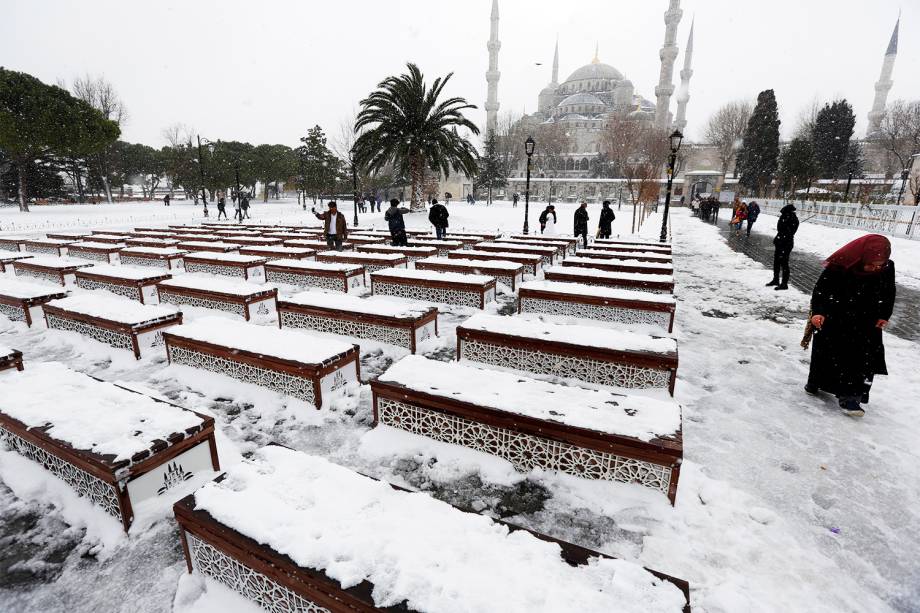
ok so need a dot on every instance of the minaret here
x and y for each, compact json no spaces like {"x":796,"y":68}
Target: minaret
{"x":668,"y":54}
{"x":884,"y":83}
{"x":683,"y":94}
{"x":556,"y":64}
{"x":492,"y":75}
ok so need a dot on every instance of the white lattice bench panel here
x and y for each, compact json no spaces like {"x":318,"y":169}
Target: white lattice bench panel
{"x":327,"y":275}
{"x":249,"y":267}
{"x":652,"y":268}
{"x":548,"y":255}
{"x":639,"y":256}
{"x":553,"y":240}
{"x":304,"y":366}
{"x":375,"y":318}
{"x":167,"y":258}
{"x":135,"y":283}
{"x":412,"y":253}
{"x":8,"y":258}
{"x":47,"y":246}
{"x":113,"y":446}
{"x":107,"y":238}
{"x":200,"y":246}
{"x":439,"y":559}
{"x":61,"y":271}
{"x":115,"y":321}
{"x":443,"y":246}
{"x":533,"y":262}
{"x":253,"y":302}
{"x":371,"y":262}
{"x":22,"y":301}
{"x":150,"y":241}
{"x":657,"y":284}
{"x":588,"y":433}
{"x":14,"y":243}
{"x":316,"y":244}
{"x":431,"y":286}
{"x":107,"y":253}
{"x":510,"y":274}
{"x":10,"y":359}
{"x":278,"y":252}
{"x":591,"y":354}
{"x":596,"y":302}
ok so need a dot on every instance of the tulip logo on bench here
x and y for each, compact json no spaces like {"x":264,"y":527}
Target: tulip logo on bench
{"x":173,"y":476}
{"x":338,"y":380}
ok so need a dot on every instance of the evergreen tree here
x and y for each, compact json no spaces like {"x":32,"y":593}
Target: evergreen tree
{"x":798,"y":166}
{"x":759,"y":156}
{"x":854,"y":162}
{"x":831,"y":137}
{"x":315,"y":158}
{"x":491,"y":173}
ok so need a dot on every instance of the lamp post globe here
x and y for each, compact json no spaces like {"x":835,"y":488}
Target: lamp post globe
{"x":675,"y":139}
{"x":529,"y":146}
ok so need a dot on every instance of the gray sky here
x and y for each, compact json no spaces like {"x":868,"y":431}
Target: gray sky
{"x":267,"y":70}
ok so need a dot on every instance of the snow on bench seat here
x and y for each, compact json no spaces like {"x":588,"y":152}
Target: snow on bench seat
{"x":412,"y":253}
{"x":596,"y":302}
{"x":317,"y":244}
{"x":483,"y":236}
{"x":284,"y":235}
{"x":248,"y":267}
{"x":111,"y":445}
{"x":110,"y":239}
{"x":639,"y":256}
{"x":375,"y":318}
{"x":443,"y":247}
{"x":511,"y":274}
{"x":256,"y":241}
{"x":360,"y":239}
{"x":277,"y":252}
{"x":431,"y":286}
{"x":7,"y":258}
{"x":588,"y":353}
{"x":571,"y":242}
{"x":338,"y":277}
{"x":466,"y":242}
{"x":22,"y":301}
{"x":633,"y":241}
{"x":620,"y":247}
{"x":562,"y":247}
{"x":547,"y":254}
{"x":653,"y":268}
{"x":370,"y":261}
{"x":13,"y":243}
{"x":158,"y":257}
{"x":595,"y":434}
{"x":117,"y":322}
{"x":10,"y":358}
{"x":150,"y":241}
{"x":199,"y":246}
{"x":231,"y":233}
{"x":340,"y":541}
{"x":47,"y":246}
{"x":533,"y":262}
{"x":96,"y":252}
{"x":135,"y":283}
{"x":290,"y":362}
{"x":54,"y":270}
{"x":657,"y":284}
{"x":252,"y":302}
{"x":70,"y":236}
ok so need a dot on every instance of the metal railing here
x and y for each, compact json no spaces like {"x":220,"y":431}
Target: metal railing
{"x":900,"y":221}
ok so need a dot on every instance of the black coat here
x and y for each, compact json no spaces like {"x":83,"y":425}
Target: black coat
{"x":786,"y":226}
{"x":438,"y":215}
{"x":849,"y":348}
{"x":544,"y":216}
{"x":607,"y":217}
{"x":394,"y":219}
{"x":581,"y":221}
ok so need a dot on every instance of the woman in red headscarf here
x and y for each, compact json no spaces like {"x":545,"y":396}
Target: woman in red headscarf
{"x":851,"y":304}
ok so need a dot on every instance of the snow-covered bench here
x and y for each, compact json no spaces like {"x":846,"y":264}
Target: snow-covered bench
{"x":547,"y":254}
{"x":431,"y":286}
{"x":593,"y":434}
{"x":365,"y":545}
{"x":588,"y":353}
{"x":13,"y":243}
{"x":8,"y":258}
{"x":571,"y":242}
{"x":639,"y":256}
{"x":135,"y":283}
{"x":255,"y":241}
{"x":510,"y":274}
{"x":595,"y":302}
{"x":113,"y":446}
{"x":47,"y":246}
{"x":290,"y":362}
{"x":374,"y":318}
{"x":252,"y":302}
{"x":443,"y":247}
{"x":200,"y":246}
{"x":158,"y":257}
{"x":412,"y":253}
{"x":531,"y":261}
{"x":278,"y":252}
{"x":370,"y":261}
{"x":633,"y":242}
{"x":22,"y":301}
{"x":561,"y":247}
{"x":118,"y":322}
{"x":338,"y":277}
{"x":232,"y":233}
{"x":317,"y":244}
{"x":466,"y":242}
{"x":658,"y":284}
{"x":652,"y":268}
{"x":482,"y":236}
{"x":248,"y":267}
{"x":624,"y":247}
{"x":151,"y":241}
{"x":97,"y":252}
{"x":70,"y":236}
{"x":10,"y":359}
{"x":361,"y":239}
{"x":108,"y":238}
{"x":56,"y":270}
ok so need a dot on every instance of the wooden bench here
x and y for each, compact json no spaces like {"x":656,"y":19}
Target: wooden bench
{"x":13,"y":243}
{"x":256,"y":241}
{"x":443,"y":247}
{"x":535,"y":424}
{"x":327,"y":275}
{"x":109,"y":239}
{"x":594,"y":302}
{"x":115,"y":321}
{"x":208,"y":247}
{"x":157,"y":257}
{"x":633,"y":242}
{"x":481,"y":565}
{"x":657,"y":284}
{"x":374,"y":318}
{"x":561,"y":247}
{"x":316,"y":244}
{"x":134,"y":283}
{"x":284,"y":235}
{"x":47,"y":246}
{"x":547,"y":254}
{"x":56,"y":270}
{"x":511,"y":274}
{"x":290,"y":362}
{"x":652,"y":268}
{"x":428,"y":285}
{"x":231,"y":233}
{"x":22,"y":301}
{"x":70,"y":236}
{"x":113,"y":446}
{"x":275,"y":252}
{"x":571,"y":242}
{"x":150,"y":241}
{"x":248,"y":267}
{"x":466,"y":242}
{"x":10,"y":359}
{"x":412,"y":253}
{"x":482,"y":236}
{"x":371,"y":262}
{"x":619,"y":247}
{"x":638,"y":256}
{"x":360,"y":239}
{"x":533,"y":263}
{"x":8,"y":258}
{"x":96,"y":252}
{"x":588,"y":353}
{"x":256,"y":303}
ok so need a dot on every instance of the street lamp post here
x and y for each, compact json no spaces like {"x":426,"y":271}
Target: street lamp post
{"x":675,"y":139}
{"x":528,"y":149}
{"x":204,"y":198}
{"x":354,"y":187}
{"x":239,"y":196}
{"x":905,"y":174}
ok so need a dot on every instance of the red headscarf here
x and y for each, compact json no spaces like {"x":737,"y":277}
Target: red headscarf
{"x":865,"y":249}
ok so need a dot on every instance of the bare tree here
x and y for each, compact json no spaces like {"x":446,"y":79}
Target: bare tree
{"x":808,"y":116}
{"x":553,"y":142}
{"x":510,"y":134}
{"x":101,"y":95}
{"x":725,"y":130}
{"x":899,"y":134}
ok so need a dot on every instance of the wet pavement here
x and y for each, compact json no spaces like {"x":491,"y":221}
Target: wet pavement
{"x":805,"y":268}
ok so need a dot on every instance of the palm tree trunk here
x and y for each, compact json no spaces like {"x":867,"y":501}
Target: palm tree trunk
{"x":417,"y":173}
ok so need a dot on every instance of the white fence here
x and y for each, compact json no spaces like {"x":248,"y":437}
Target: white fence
{"x":901,"y":221}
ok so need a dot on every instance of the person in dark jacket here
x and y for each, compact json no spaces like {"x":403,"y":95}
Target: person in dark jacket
{"x":394,"y":219}
{"x":244,"y":207}
{"x":607,"y":217}
{"x":335,"y":227}
{"x":514,"y":199}
{"x":221,"y":205}
{"x":851,"y":305}
{"x":753,"y":212}
{"x":786,"y":227}
{"x":544,"y":217}
{"x":438,"y":215}
{"x":581,"y":222}
{"x":166,"y":199}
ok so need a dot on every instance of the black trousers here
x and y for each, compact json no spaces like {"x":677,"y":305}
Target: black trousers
{"x":584,"y":235}
{"x":781,"y":254}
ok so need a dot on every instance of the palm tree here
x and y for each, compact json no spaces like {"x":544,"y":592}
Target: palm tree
{"x":405,"y":125}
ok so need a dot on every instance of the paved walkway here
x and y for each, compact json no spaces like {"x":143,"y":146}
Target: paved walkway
{"x":805,"y":268}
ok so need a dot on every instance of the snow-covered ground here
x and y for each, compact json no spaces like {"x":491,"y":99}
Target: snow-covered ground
{"x":783,"y":504}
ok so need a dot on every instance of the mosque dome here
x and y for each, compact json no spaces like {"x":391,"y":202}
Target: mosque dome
{"x":595,"y":71}
{"x":582,"y":98}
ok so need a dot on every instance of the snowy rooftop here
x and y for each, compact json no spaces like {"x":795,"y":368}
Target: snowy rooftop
{"x":596,"y":291}
{"x":589,"y":273}
{"x":113,"y":308}
{"x":24,"y":290}
{"x":372,"y":305}
{"x":432,"y":275}
{"x":220,"y":285}
{"x":501,"y":265}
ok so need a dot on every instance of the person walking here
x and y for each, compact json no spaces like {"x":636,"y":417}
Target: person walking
{"x":244,"y":207}
{"x":221,"y":205}
{"x":753,"y":212}
{"x":397,"y":225}
{"x":514,"y":199}
{"x":438,"y":215}
{"x":786,"y":227}
{"x":334,"y":227}
{"x":739,"y":214}
{"x":606,"y":219}
{"x":544,"y":217}
{"x":850,"y":307}
{"x":237,"y":209}
{"x":581,"y":222}
{"x":166,"y":199}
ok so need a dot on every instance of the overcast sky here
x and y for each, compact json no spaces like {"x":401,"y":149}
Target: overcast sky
{"x":265,"y":71}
